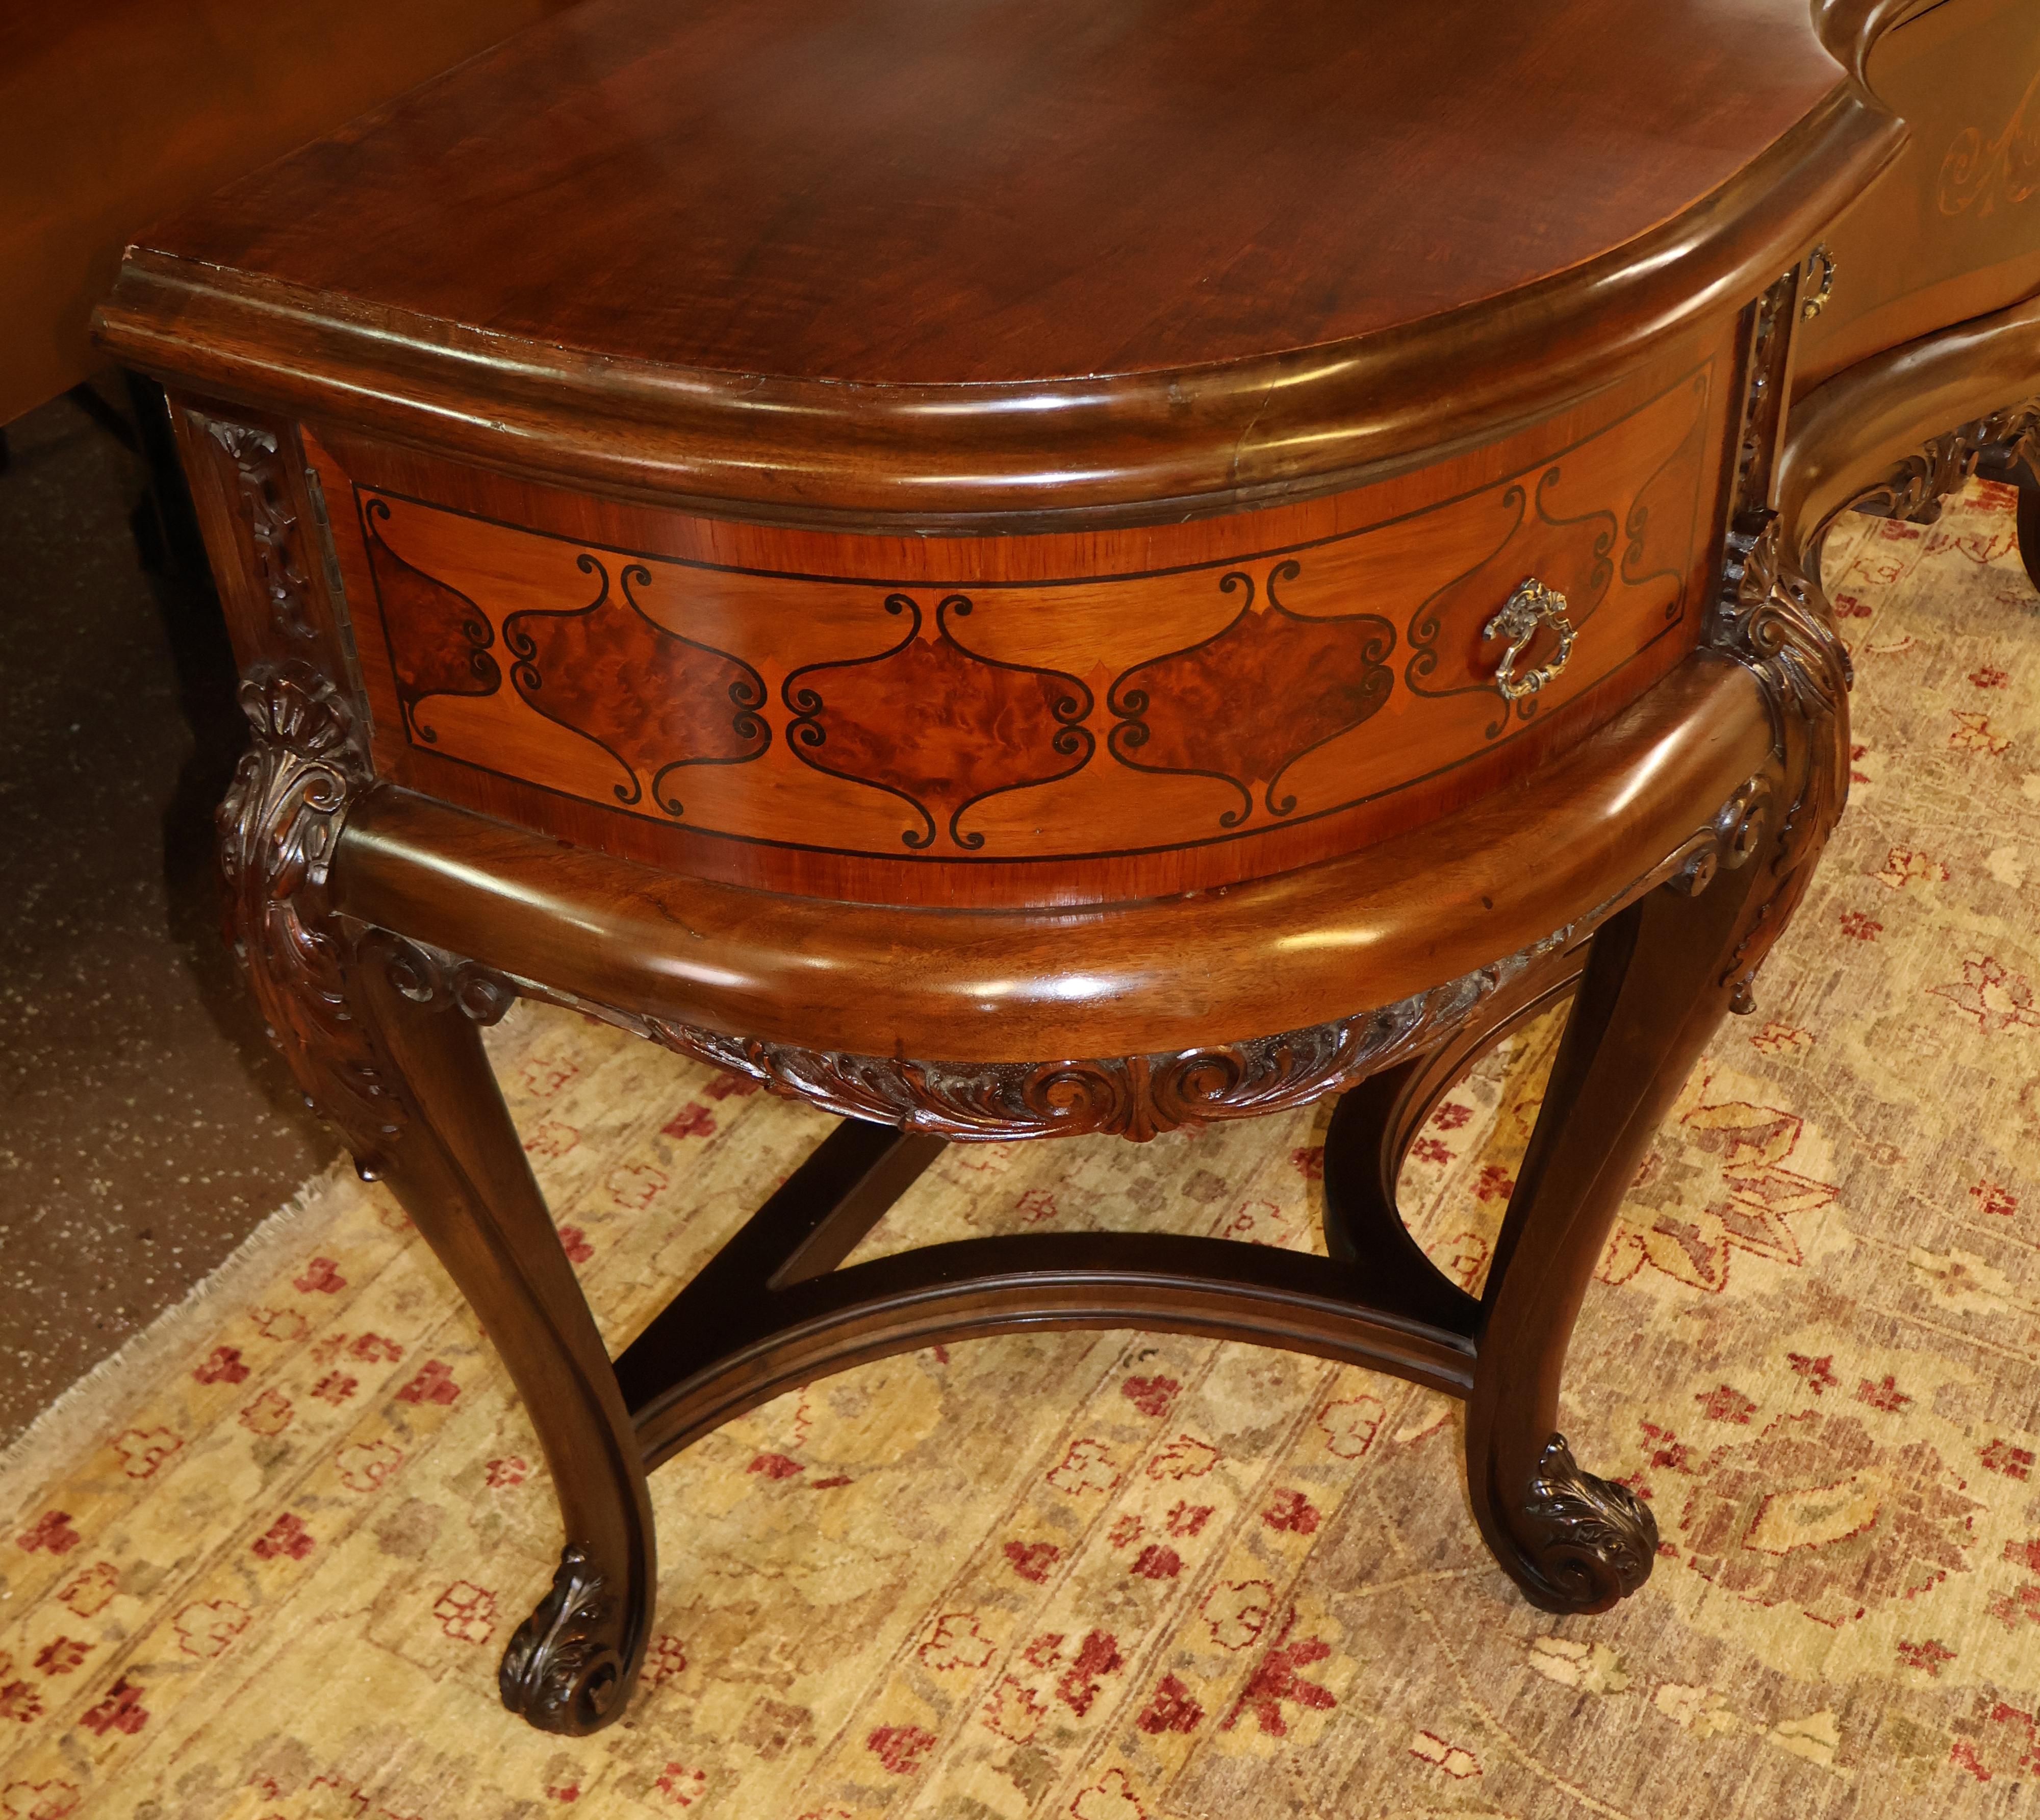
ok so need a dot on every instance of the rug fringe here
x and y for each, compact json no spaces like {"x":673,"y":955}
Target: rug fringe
{"x":61,"y":1432}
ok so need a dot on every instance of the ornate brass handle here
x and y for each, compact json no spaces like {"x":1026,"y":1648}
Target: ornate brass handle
{"x":1532,"y":606}
{"x":1822,"y":261}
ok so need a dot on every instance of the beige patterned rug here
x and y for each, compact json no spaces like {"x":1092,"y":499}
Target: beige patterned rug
{"x":262,"y":1569}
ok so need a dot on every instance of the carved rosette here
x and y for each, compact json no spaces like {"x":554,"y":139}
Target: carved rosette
{"x":558,"y":1674}
{"x":1593,"y":1542}
{"x":1136,"y":1097}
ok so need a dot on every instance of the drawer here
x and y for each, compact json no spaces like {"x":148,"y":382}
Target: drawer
{"x":1058,"y":718}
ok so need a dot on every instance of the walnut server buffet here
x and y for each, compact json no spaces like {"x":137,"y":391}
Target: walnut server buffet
{"x":1017,"y":569}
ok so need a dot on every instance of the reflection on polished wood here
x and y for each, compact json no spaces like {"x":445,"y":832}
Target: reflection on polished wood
{"x":976,"y":569}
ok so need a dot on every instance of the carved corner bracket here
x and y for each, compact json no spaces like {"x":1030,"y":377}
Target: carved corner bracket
{"x":1773,"y":618}
{"x":279,"y":824}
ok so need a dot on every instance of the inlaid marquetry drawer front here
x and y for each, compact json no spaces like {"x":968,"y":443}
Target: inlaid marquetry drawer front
{"x":994,"y":704}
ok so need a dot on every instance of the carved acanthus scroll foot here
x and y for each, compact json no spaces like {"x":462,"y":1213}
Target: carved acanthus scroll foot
{"x":1598,"y":1539}
{"x":1656,"y":982}
{"x":560,"y":1672}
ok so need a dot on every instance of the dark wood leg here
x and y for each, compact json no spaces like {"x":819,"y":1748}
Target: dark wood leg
{"x":383,"y":1036}
{"x":1375,"y":1123}
{"x":460,"y":1173}
{"x":2028,"y":484}
{"x":2015,"y":463}
{"x":1658,"y":979}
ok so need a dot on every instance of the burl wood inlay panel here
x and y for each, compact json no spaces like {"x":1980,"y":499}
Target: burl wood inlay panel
{"x":1052,"y":719}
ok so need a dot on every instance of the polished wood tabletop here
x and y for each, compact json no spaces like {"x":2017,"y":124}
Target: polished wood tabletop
{"x":919,"y":191}
{"x":909,"y":256}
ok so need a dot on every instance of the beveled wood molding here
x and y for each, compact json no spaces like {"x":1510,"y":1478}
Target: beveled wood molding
{"x":1159,"y":976}
{"x":1140,"y":1096}
{"x":1128,"y":448}
{"x":1905,"y":428}
{"x":971,"y":1288}
{"x":1137,"y":1097}
{"x":1850,"y":28}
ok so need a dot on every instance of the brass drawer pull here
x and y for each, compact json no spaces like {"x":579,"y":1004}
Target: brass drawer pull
{"x":1532,"y":606}
{"x":1822,"y":261}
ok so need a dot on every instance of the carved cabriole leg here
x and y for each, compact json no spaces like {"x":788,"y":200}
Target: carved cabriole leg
{"x":1375,"y":1123}
{"x":383,"y":1036}
{"x":1648,"y":990}
{"x":1658,"y":978}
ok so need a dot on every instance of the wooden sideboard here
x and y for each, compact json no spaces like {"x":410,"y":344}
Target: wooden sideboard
{"x":1013,"y":571}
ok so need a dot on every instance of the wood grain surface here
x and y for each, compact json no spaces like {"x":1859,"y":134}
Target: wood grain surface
{"x":113,"y":113}
{"x":1002,"y":984}
{"x":903,"y":192}
{"x":1950,"y":230}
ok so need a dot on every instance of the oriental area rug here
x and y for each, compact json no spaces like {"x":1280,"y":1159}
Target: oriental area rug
{"x":262,"y":1568}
